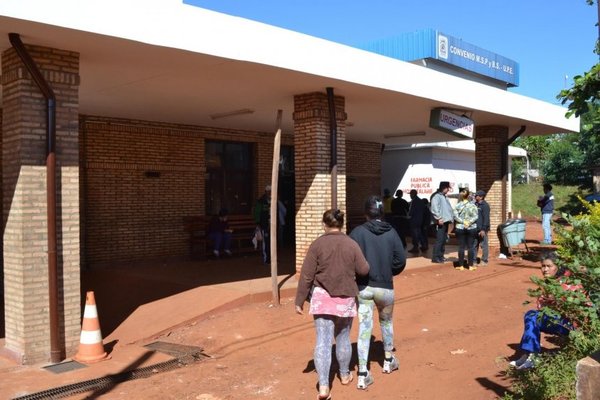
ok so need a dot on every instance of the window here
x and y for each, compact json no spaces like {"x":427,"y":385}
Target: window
{"x":228,"y":177}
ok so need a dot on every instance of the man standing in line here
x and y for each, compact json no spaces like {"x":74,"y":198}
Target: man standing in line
{"x":483,"y":226}
{"x":399,"y":218}
{"x":546,"y":205}
{"x":399,"y":206}
{"x":416,"y":212}
{"x":442,"y":214}
{"x":387,"y":203}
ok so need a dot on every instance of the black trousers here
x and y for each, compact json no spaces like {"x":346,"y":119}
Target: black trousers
{"x":441,"y":236}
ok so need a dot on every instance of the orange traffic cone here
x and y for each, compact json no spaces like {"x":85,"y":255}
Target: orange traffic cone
{"x":91,"y":348}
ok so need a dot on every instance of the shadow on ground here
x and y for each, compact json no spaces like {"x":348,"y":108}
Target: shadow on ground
{"x":120,"y":290}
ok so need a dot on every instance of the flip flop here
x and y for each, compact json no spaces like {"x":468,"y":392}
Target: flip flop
{"x":346,"y":379}
{"x":324,"y":397}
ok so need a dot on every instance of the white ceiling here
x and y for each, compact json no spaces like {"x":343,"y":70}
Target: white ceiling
{"x":130,"y":79}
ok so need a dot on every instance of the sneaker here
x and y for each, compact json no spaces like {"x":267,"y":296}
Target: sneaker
{"x":483,"y":264}
{"x":520,"y":361}
{"x":528,"y":364}
{"x":216,"y":253}
{"x":364,"y":379}
{"x":228,"y":252}
{"x":472,"y":268}
{"x":390,"y":364}
{"x":461,"y":268}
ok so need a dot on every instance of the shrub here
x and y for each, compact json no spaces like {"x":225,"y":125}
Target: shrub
{"x":554,"y":377}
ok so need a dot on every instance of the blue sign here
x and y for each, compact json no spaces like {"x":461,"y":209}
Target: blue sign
{"x":472,"y":58}
{"x":430,"y":43}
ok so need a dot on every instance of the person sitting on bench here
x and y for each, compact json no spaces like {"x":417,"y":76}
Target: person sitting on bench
{"x":220,"y":233}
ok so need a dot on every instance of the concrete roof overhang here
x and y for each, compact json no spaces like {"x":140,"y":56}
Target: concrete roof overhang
{"x":162,"y":60}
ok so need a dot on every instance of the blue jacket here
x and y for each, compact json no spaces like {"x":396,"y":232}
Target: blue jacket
{"x":483,"y":217}
{"x":546,"y":204}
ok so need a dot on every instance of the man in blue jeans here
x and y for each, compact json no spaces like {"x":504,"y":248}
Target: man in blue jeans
{"x":546,"y":205}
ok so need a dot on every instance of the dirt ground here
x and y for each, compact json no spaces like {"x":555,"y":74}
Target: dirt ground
{"x":454,"y":331}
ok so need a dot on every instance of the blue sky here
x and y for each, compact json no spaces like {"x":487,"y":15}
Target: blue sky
{"x":550,"y":39}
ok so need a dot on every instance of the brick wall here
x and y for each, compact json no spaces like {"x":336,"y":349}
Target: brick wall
{"x":489,"y":142}
{"x":25,"y":243}
{"x":364,"y":177}
{"x":128,"y":215}
{"x":264,"y":166}
{"x":312,"y":164}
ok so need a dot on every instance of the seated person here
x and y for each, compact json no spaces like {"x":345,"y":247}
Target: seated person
{"x":220,"y":233}
{"x":535,"y":322}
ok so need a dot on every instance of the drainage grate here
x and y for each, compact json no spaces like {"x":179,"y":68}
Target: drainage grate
{"x":64,"y":367}
{"x":187,"y":355}
{"x":176,"y":350}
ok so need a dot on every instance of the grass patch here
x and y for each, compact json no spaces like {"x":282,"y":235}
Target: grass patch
{"x":524,"y":198}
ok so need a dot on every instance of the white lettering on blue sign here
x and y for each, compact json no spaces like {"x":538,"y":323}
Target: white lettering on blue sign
{"x":465,"y":55}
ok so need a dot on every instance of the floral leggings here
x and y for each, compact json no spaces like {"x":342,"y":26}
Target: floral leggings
{"x":368,"y":298}
{"x":328,"y":327}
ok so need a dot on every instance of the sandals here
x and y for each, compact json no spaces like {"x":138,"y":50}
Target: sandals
{"x":324,"y":396}
{"x":346,"y":379}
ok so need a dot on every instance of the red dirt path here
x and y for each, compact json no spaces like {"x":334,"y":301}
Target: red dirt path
{"x":454,"y":333}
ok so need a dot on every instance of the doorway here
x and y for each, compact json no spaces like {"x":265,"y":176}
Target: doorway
{"x":229,"y":177}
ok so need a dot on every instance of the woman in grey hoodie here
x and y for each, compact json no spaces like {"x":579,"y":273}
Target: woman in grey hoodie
{"x":384,"y":252}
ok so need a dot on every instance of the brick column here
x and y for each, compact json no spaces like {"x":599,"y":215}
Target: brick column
{"x":489,"y":144}
{"x":24,"y":203}
{"x":312,"y":165}
{"x":363,"y":179}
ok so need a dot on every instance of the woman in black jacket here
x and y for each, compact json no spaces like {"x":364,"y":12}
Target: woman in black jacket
{"x":384,"y":252}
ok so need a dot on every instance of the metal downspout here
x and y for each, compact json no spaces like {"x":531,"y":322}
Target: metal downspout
{"x":15,"y":41}
{"x":333,"y":145}
{"x":504,"y":167}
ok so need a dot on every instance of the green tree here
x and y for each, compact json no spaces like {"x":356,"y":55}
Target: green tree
{"x":583,"y":100}
{"x":589,"y":138}
{"x":585,"y":91}
{"x":564,"y":161}
{"x":536,"y":146}
{"x":586,"y":87}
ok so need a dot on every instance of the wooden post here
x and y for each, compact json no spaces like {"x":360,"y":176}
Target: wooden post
{"x":274,"y":209}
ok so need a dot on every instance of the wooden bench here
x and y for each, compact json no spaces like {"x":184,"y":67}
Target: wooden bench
{"x":200,"y":244}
